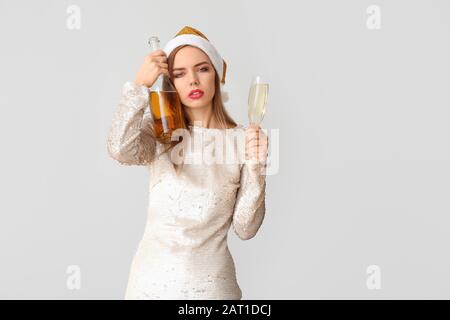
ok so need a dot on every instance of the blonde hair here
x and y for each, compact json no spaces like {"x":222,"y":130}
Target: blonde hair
{"x":220,"y":114}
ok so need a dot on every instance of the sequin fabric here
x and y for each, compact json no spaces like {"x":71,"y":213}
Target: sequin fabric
{"x":183,"y":253}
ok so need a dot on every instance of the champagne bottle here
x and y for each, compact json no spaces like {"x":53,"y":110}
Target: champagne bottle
{"x":165,"y":104}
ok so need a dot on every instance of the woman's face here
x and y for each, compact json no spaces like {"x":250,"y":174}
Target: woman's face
{"x":192,"y":70}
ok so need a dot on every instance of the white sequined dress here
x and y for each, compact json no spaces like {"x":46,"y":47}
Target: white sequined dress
{"x":183,"y":253}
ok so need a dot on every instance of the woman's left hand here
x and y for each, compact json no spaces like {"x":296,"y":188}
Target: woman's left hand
{"x":256,"y":144}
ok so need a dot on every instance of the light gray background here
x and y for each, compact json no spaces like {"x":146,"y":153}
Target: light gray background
{"x":364,"y":144}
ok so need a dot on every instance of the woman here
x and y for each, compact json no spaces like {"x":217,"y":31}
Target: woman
{"x":183,"y":253}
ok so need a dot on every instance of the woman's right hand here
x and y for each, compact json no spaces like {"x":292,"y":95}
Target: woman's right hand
{"x":154,"y":65}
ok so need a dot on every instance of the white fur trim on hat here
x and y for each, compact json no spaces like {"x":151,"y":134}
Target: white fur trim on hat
{"x":199,"y":42}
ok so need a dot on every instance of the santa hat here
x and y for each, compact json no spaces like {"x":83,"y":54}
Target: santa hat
{"x":190,"y":36}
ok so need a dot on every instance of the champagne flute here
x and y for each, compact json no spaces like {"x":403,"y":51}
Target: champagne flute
{"x":257,"y":100}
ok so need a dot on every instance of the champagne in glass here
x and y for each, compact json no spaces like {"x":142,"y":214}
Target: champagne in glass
{"x":257,"y":100}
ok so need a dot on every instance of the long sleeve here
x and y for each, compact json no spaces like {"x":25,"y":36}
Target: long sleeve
{"x":127,"y":142}
{"x":250,"y":206}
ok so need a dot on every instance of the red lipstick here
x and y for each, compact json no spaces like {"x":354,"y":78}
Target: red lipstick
{"x":196,"y":94}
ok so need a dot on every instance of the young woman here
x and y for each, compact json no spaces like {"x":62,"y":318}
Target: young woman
{"x":183,"y":253}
